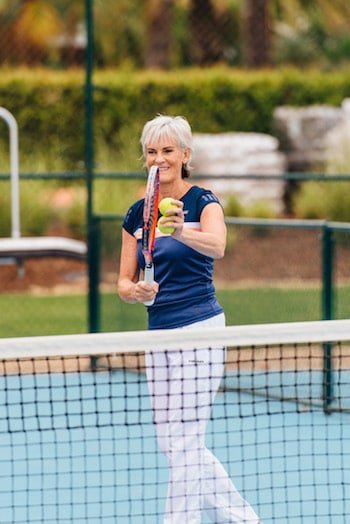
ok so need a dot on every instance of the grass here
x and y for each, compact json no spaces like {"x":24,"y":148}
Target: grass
{"x":242,"y":306}
{"x":31,"y":315}
{"x":28,"y":315}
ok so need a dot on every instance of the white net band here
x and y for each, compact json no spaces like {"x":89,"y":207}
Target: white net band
{"x":160,"y":340}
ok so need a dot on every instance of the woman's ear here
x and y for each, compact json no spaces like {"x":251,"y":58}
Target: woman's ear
{"x":186,"y":155}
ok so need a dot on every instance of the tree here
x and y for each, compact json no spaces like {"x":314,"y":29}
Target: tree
{"x":256,"y":33}
{"x":260,"y":18}
{"x":119,"y":32}
{"x":27,"y":34}
{"x":159,"y":34}
{"x":38,"y":31}
{"x":205,"y":33}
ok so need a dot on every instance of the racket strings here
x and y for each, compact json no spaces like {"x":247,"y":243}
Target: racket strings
{"x":150,"y":214}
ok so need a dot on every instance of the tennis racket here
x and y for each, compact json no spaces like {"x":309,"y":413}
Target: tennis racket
{"x":150,"y":216}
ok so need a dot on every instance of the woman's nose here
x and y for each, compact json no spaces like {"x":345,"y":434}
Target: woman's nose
{"x":159,"y":157}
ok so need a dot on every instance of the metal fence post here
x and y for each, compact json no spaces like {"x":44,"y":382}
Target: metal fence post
{"x":327,"y":314}
{"x":92,"y":225}
{"x":94,"y":281}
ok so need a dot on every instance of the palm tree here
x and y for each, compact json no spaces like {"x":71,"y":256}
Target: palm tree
{"x":36,"y":24}
{"x":120,"y":32}
{"x":205,"y":33}
{"x":35,"y":31}
{"x":159,"y":34}
{"x":333,"y":12}
{"x":256,"y":33}
{"x":259,"y":19}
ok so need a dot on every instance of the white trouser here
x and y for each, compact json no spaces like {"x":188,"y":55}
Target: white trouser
{"x":183,"y":385}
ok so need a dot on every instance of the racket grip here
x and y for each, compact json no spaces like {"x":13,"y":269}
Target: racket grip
{"x":149,"y":279}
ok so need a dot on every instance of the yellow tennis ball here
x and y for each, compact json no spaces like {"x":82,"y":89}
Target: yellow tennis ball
{"x":164,"y":229}
{"x":165,"y":204}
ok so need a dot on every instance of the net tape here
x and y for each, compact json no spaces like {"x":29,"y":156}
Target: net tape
{"x":173,"y":339}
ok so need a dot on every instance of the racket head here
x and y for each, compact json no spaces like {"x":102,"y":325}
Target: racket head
{"x":150,"y":215}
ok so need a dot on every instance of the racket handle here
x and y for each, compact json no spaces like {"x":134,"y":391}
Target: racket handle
{"x":149,"y":279}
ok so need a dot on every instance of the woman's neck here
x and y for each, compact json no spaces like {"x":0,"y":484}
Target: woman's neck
{"x":176,"y":190}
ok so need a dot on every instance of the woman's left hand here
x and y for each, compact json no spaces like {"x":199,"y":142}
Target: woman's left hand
{"x":174,"y":217}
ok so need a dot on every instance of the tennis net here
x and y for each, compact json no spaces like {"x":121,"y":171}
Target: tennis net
{"x":80,"y":442}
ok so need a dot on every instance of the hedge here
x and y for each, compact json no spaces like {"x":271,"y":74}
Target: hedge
{"x":49,"y":105}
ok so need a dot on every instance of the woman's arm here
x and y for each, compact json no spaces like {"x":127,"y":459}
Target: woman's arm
{"x":130,"y":288}
{"x":211,"y":239}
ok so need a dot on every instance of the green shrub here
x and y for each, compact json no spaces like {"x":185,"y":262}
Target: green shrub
{"x":309,"y":201}
{"x":5,"y":211}
{"x":35,"y":214}
{"x":257,"y":209}
{"x":233,"y":207}
{"x":50,"y":107}
{"x":50,"y":110}
{"x":260,"y":209}
{"x":339,"y":201}
{"x":72,"y":217}
{"x":327,"y":200}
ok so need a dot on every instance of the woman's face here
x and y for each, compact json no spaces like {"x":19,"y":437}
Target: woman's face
{"x":168,"y":157}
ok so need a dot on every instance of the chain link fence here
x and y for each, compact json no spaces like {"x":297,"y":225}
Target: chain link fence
{"x":273,"y":271}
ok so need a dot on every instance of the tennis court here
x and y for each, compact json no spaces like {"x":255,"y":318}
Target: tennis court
{"x":114,"y":473}
{"x":79,"y":445}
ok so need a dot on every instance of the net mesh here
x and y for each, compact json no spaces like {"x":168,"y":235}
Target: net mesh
{"x":139,"y":427}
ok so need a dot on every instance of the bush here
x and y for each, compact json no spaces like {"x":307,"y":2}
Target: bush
{"x":233,"y":207}
{"x":50,"y":107}
{"x":258,"y":209}
{"x":326,"y":200}
{"x":35,"y":214}
{"x":50,"y":110}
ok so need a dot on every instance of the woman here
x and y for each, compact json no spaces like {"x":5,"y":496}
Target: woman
{"x":182,"y":385}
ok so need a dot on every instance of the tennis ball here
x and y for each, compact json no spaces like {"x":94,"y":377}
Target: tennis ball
{"x":165,"y":204}
{"x":164,"y":229}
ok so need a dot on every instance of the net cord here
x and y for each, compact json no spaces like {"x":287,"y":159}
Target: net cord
{"x":175,"y":339}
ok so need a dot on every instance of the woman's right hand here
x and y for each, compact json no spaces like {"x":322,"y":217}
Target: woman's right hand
{"x":144,"y":292}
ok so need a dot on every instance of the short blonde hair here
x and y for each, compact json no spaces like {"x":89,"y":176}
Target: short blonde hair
{"x":174,"y":127}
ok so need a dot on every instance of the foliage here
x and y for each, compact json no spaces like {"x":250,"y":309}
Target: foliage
{"x":327,"y":200}
{"x":257,"y":209}
{"x":34,"y":211}
{"x":49,"y":107}
{"x":48,"y":207}
{"x":260,"y":209}
{"x":311,"y":32}
{"x":120,"y":37}
{"x":233,"y":207}
{"x":52,"y":32}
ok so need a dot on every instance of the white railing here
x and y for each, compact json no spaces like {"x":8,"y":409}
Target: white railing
{"x":13,"y":129}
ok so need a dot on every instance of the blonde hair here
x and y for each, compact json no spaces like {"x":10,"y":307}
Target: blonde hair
{"x":174,"y":127}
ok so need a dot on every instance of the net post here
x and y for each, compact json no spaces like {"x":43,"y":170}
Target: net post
{"x":94,"y":275}
{"x":94,"y":281}
{"x":327,"y":314}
